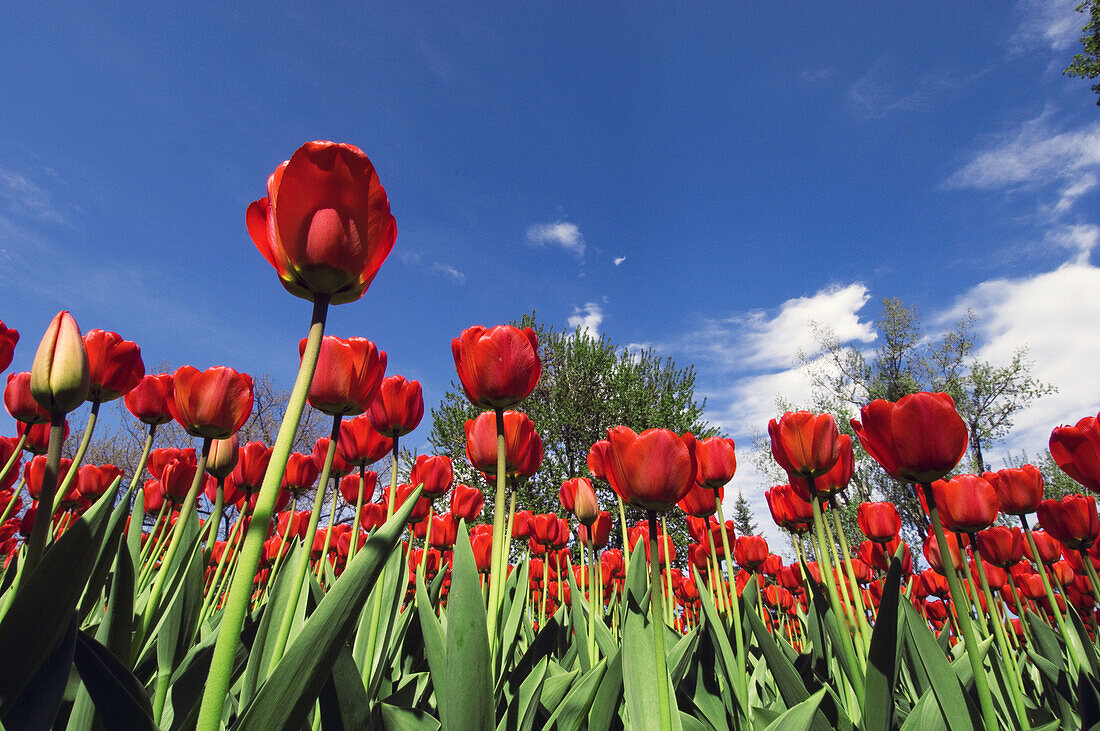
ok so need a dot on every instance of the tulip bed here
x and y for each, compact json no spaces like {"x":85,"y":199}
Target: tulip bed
{"x":121,"y":609}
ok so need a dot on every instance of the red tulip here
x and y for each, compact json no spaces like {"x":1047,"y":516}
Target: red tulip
{"x":325,"y":224}
{"x":467,"y":502}
{"x":578,"y":497}
{"x":878,"y":555}
{"x":38,"y":436}
{"x":522,"y":445}
{"x":252,"y":461}
{"x":880,"y":522}
{"x":59,"y":374}
{"x":1072,"y":520}
{"x":177,"y":478}
{"x":372,"y":516}
{"x":482,"y":544}
{"x":1049,"y":548}
{"x":435,"y":472}
{"x":597,"y":459}
{"x":301,"y":473}
{"x":1019,"y":490}
{"x":804,"y":444}
{"x":750,"y":552}
{"x":1000,"y":545}
{"x":398,"y":408}
{"x":212,"y":404}
{"x":498,"y":367}
{"x":444,"y":531}
{"x":550,"y":531}
{"x":7,"y":449}
{"x":35,"y":471}
{"x":349,"y":373}
{"x":150,"y":399}
{"x":932,"y":551}
{"x":115,"y":366}
{"x":1076,"y":449}
{"x":164,"y":456}
{"x":833,"y":481}
{"x":600,"y":531}
{"x":920,"y":438}
{"x":789,"y":510}
{"x":652,"y":470}
{"x":351,"y":487}
{"x":93,"y":481}
{"x":360,"y":444}
{"x":716,"y":460}
{"x":700,"y":501}
{"x":521,"y":524}
{"x":152,"y":495}
{"x":402,"y":494}
{"x":339,"y":467}
{"x":19,"y":402}
{"x":966,"y":503}
{"x":8,"y":338}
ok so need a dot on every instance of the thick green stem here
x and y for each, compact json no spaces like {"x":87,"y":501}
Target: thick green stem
{"x":240,"y":593}
{"x":1072,"y":648}
{"x":970,"y":640}
{"x":825,"y":564}
{"x":496,"y":571}
{"x":1002,"y":641}
{"x":658,"y":626}
{"x":331,"y":522}
{"x":44,"y":515}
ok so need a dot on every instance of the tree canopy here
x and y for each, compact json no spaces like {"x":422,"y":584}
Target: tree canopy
{"x":1086,"y":65}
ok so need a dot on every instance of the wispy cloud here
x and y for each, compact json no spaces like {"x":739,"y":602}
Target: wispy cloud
{"x":619,"y":260}
{"x":449,"y":271}
{"x":564,"y":234}
{"x":587,"y":318}
{"x":875,"y":95}
{"x":21,"y":196}
{"x":1051,"y":25}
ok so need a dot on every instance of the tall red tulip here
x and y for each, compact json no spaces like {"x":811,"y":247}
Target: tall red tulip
{"x":360,"y":444}
{"x":967,"y":503}
{"x":301,"y":473}
{"x":114,"y":365}
{"x":38,"y":436}
{"x":652,"y":470}
{"x":1019,"y":490}
{"x":1048,"y":547}
{"x":920,"y":438}
{"x":252,"y":461}
{"x":214,"y":403}
{"x":35,"y":471}
{"x":1076,"y":449}
{"x":701,"y":501}
{"x":7,"y":449}
{"x":351,"y":485}
{"x":498,"y":367}
{"x":1000,"y":545}
{"x":149,"y":400}
{"x":92,"y":481}
{"x":600,"y":530}
{"x":19,"y":402}
{"x":522,"y":444}
{"x":435,"y":472}
{"x":349,"y":373}
{"x":716,"y":460}
{"x":933,"y":556}
{"x":1072,"y":520}
{"x":339,"y":467}
{"x":578,"y":497}
{"x":325,"y":224}
{"x":880,"y":522}
{"x":467,"y":502}
{"x":833,"y":481}
{"x":750,"y":552}
{"x":398,"y":407}
{"x":597,"y":459}
{"x":804,"y":444}
{"x":8,"y":338}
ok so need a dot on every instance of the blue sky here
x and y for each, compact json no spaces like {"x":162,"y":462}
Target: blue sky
{"x":705,"y":181}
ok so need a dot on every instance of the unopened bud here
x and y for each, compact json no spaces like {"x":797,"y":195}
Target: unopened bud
{"x":59,"y":374}
{"x":585,"y":506}
{"x":223,"y":457}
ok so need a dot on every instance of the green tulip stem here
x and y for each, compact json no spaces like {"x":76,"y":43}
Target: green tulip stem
{"x":145,"y":450}
{"x":999,"y":634}
{"x":215,"y":517}
{"x":10,"y":464}
{"x":496,"y":571}
{"x":716,"y":583}
{"x":845,"y":590}
{"x":657,"y":621}
{"x":219,"y":572}
{"x":240,"y":592}
{"x":735,"y":605}
{"x":353,"y":547}
{"x":594,"y":603}
{"x":301,"y":560}
{"x":1074,"y":654}
{"x":970,"y":640}
{"x":861,"y":610}
{"x":544,"y":588}
{"x":78,"y":458}
{"x":1086,"y":559}
{"x":44,"y":515}
{"x":10,"y":507}
{"x":1019,"y":606}
{"x":331,"y":522}
{"x":391,"y":504}
{"x":427,"y":540}
{"x":668,"y":575}
{"x":156,"y":535}
{"x":176,"y":541}
{"x":825,"y":565}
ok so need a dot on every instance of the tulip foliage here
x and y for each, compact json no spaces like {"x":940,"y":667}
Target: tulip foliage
{"x":442,"y":604}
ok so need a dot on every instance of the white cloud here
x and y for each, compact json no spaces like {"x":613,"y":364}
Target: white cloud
{"x":1037,"y":155}
{"x":587,"y":318}
{"x":875,"y":95}
{"x":619,"y":260}
{"x":449,"y":271}
{"x":23,"y":197}
{"x":1047,"y":24}
{"x":1079,"y":239}
{"x":563,"y":234}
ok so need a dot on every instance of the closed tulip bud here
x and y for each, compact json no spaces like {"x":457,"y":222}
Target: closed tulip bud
{"x":1019,"y":490}
{"x":585,"y":506}
{"x":325,"y":225}
{"x":1000,"y":545}
{"x":59,"y":374}
{"x":1047,"y":545}
{"x":149,"y":400}
{"x":880,"y":522}
{"x":498,"y":367}
{"x":360,"y":444}
{"x":349,"y":372}
{"x":789,"y":510}
{"x":435,"y":472}
{"x":398,"y":407}
{"x":700,"y":501}
{"x":804,"y":444}
{"x":20,"y":403}
{"x":920,"y":438}
{"x":223,"y":457}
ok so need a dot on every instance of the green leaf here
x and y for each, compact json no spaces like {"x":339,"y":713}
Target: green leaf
{"x":608,"y":698}
{"x":343,"y":703}
{"x":41,"y":610}
{"x":291,"y":689}
{"x":469,"y":681}
{"x":943,"y":679}
{"x":726,"y":656}
{"x":406,"y":719}
{"x":572,"y":712}
{"x":37,"y":707}
{"x":105,"y":556}
{"x":639,"y":653}
{"x":882,"y":661}
{"x":435,"y":644}
{"x":119,"y":698}
{"x":523,"y":710}
{"x":800,"y":717}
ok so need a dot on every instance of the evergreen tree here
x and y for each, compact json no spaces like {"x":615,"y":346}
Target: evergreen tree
{"x":743,"y":520}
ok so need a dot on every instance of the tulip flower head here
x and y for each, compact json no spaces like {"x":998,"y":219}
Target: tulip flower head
{"x":115,"y":365}
{"x":1072,"y":520}
{"x":652,"y":470}
{"x":804,"y":444}
{"x":1076,"y":449}
{"x":20,"y":403}
{"x":149,"y":399}
{"x":1019,"y":490}
{"x":920,"y":438}
{"x":880,"y":522}
{"x":8,"y":338}
{"x":60,"y":375}
{"x":325,"y":225}
{"x":348,"y":375}
{"x":499,"y":366}
{"x":398,"y":407}
{"x":214,"y":403}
